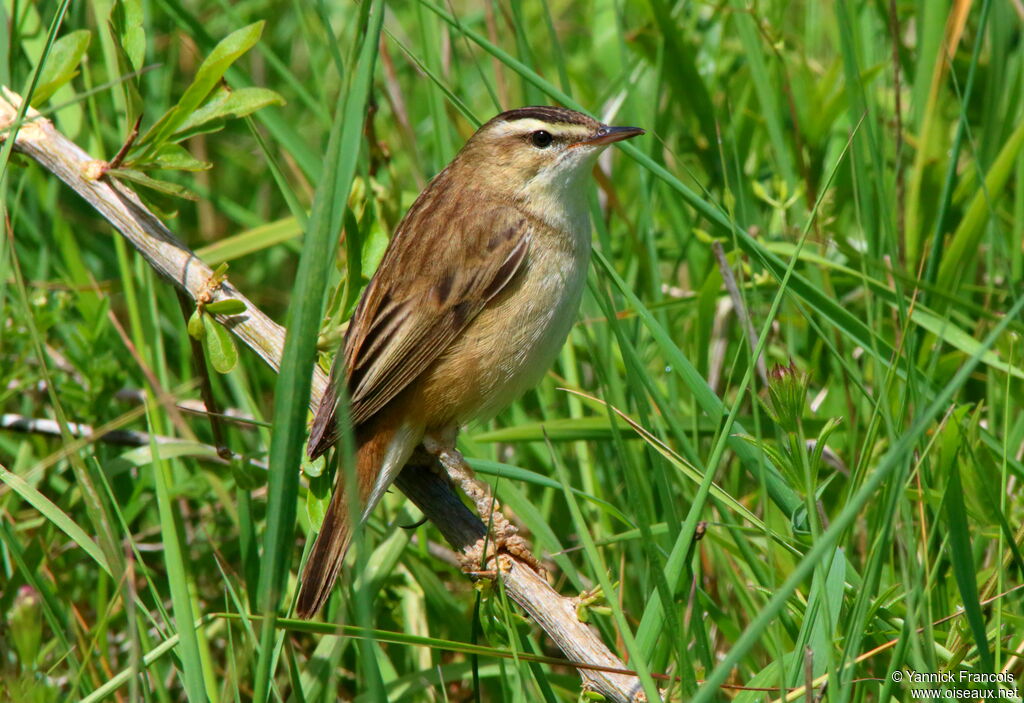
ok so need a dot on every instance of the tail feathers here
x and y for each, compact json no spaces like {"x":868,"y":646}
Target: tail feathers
{"x":383,"y":447}
{"x":326,"y":558}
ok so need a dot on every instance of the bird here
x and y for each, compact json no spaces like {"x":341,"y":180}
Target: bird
{"x":473,"y":299}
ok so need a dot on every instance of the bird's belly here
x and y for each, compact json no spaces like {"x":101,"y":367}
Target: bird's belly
{"x":511,"y":344}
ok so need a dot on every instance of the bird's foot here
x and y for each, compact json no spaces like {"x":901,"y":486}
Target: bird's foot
{"x":485,"y":558}
{"x":503,"y":537}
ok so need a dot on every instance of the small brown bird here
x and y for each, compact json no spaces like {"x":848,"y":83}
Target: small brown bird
{"x":473,"y":299}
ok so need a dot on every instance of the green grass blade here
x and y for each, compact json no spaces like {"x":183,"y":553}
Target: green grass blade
{"x":962,"y":559}
{"x":57,"y":516}
{"x":896,"y":456}
{"x":293,"y":383}
{"x":966,"y":238}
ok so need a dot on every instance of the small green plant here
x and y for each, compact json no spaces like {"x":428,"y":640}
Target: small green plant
{"x":218,"y":344}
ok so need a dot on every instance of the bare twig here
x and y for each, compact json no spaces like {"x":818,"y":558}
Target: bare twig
{"x":126,"y":147}
{"x":134,"y":395}
{"x":45,"y":426}
{"x":601,"y":670}
{"x":125,"y":438}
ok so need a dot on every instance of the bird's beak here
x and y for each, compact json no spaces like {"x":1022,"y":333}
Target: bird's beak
{"x":607,"y":135}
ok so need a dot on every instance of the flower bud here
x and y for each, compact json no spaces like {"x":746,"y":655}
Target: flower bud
{"x":787,"y":392}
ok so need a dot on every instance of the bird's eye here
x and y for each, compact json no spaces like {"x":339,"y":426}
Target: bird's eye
{"x":541,"y":139}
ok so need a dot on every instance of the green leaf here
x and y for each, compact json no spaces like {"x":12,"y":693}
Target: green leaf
{"x":195,"y":325}
{"x":173,"y":157}
{"x":314,"y":468}
{"x":374,"y":246}
{"x":62,"y":64}
{"x":207,"y":77}
{"x":250,"y":241}
{"x":226,"y":103}
{"x":219,"y":346}
{"x":128,"y":40}
{"x":128,"y":19}
{"x":163,"y":187}
{"x":228,"y":306}
{"x":318,"y":497}
{"x":781,"y":461}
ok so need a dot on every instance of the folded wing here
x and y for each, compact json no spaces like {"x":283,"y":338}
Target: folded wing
{"x":422,"y":296}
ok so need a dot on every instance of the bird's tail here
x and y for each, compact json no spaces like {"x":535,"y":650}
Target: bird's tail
{"x":380,"y":450}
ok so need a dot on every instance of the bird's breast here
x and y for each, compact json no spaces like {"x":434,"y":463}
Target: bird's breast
{"x":512,"y":343}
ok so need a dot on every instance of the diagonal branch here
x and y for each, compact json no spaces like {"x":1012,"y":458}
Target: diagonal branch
{"x":601,"y":670}
{"x":120,"y":206}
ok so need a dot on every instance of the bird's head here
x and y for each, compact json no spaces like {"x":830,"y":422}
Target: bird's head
{"x":538,"y":151}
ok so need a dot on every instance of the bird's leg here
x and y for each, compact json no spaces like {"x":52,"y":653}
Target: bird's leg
{"x":503,"y":535}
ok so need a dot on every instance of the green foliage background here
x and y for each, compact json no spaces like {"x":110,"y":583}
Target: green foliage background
{"x":859,"y":164}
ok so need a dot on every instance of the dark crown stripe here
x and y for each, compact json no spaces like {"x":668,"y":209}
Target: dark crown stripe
{"x":546,"y":113}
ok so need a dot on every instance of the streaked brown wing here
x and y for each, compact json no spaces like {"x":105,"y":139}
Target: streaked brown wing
{"x":440,"y":270}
